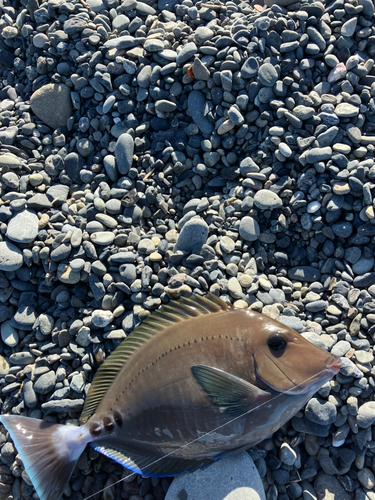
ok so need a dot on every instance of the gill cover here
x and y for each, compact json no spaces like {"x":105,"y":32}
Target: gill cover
{"x":287,"y":362}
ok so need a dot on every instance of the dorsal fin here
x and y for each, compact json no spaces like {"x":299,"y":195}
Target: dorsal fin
{"x":155,"y":324}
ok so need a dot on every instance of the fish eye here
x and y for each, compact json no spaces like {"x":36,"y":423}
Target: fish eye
{"x":277,"y":344}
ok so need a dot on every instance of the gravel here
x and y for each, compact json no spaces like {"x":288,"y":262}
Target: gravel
{"x":149,"y":150}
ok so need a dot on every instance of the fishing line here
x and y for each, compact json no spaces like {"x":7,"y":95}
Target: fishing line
{"x":206,"y":434}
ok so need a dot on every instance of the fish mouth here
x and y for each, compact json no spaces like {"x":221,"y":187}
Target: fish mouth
{"x":311,"y":384}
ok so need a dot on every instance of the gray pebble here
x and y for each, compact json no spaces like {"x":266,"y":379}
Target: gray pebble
{"x":124,"y":153}
{"x":11,"y":257}
{"x":193,"y":235}
{"x":23,"y":227}
{"x":249,"y":229}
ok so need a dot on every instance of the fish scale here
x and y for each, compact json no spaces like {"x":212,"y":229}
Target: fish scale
{"x":197,"y":380}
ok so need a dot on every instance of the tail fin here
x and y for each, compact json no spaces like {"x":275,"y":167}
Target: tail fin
{"x":49,"y":452}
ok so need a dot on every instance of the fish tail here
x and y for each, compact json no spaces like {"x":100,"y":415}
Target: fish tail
{"x":48,"y":451}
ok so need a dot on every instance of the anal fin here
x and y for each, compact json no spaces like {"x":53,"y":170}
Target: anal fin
{"x":148,"y":465}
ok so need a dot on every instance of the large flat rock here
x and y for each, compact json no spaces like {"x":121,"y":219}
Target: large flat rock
{"x":232,"y":478}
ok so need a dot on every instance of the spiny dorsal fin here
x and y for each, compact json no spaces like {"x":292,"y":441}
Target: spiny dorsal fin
{"x":155,"y":324}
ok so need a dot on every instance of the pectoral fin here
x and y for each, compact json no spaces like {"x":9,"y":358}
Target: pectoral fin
{"x":229,"y":393}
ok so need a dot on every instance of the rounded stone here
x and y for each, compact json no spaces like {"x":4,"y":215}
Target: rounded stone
{"x":45,"y":383}
{"x":124,"y":150}
{"x":23,"y":227}
{"x":267,"y":75}
{"x":234,"y":477}
{"x":320,"y":412}
{"x":102,"y":237}
{"x":9,"y":334}
{"x":11,"y":257}
{"x":101,"y":318}
{"x":249,"y":229}
{"x":52,"y":104}
{"x":267,"y":200}
{"x":193,"y":234}
{"x":366,"y":414}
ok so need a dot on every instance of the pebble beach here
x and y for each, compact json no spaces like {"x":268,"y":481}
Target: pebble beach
{"x":154,"y":149}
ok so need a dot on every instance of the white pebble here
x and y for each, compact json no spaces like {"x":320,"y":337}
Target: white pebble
{"x":313,"y":207}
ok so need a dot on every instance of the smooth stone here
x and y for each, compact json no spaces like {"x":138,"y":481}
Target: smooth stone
{"x":23,"y":227}
{"x":320,"y":412}
{"x":363,"y":265}
{"x":267,"y":200}
{"x":304,"y":273}
{"x":366,"y":414}
{"x":4,"y":366}
{"x":234,"y":288}
{"x":346,"y":110}
{"x":128,"y":273}
{"x":249,"y":229}
{"x":250,"y":68}
{"x":341,"y":348}
{"x":153,"y":45}
{"x":46,"y":324}
{"x":45,"y":383}
{"x":364,"y":280}
{"x":368,"y":7}
{"x":267,"y":75}
{"x":11,"y":257}
{"x":231,"y":478}
{"x":10,"y":160}
{"x":66,"y":274}
{"x":198,"y":108}
{"x":122,"y":42}
{"x":124,"y":150}
{"x":319,"y":154}
{"x":202,"y":34}
{"x":193,"y":234}
{"x":58,"y":192}
{"x":187,"y":51}
{"x":9,"y":334}
{"x":342,"y":229}
{"x":52,"y":104}
{"x":102,"y":237}
{"x":327,"y":487}
{"x":281,"y":3}
{"x":77,"y":383}
{"x":31,"y":399}
{"x":348,"y":28}
{"x":102,"y":318}
{"x":22,"y":358}
{"x":74,"y":163}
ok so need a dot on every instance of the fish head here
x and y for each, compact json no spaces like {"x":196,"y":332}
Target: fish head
{"x":286,"y":362}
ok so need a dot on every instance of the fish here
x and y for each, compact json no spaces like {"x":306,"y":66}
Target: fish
{"x":196,"y":381}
